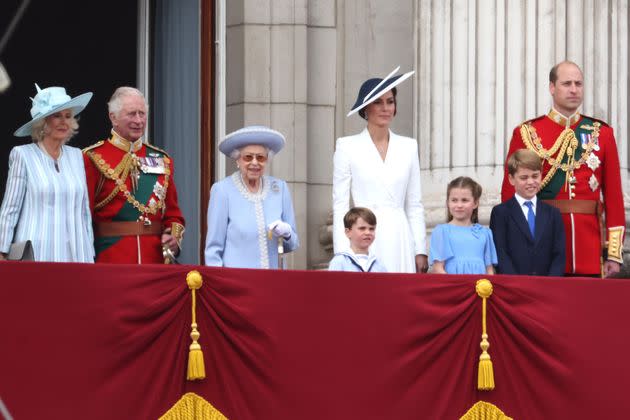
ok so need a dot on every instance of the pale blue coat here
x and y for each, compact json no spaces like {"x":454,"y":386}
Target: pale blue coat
{"x":238,"y":220}
{"x":46,"y":206}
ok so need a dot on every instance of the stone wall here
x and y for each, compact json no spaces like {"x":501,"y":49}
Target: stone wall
{"x":481,"y":68}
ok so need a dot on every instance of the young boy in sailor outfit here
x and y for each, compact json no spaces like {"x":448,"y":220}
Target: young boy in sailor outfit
{"x":360,"y":224}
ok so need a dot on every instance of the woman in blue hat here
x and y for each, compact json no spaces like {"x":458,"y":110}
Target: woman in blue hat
{"x":380,"y":170}
{"x":250,"y":214}
{"x":46,"y":200}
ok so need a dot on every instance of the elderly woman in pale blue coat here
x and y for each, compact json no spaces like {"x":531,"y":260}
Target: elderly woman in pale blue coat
{"x":46,"y":199}
{"x":250,"y":214}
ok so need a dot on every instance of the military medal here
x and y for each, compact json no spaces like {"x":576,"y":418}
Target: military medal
{"x":596,"y":144}
{"x":159,"y":191}
{"x":152,"y":165}
{"x":593,"y":183}
{"x":593,"y":161}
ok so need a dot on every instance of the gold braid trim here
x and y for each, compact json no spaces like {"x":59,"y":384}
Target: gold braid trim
{"x":484,"y":411}
{"x":566,"y":141}
{"x":121,"y":171}
{"x":119,"y":176}
{"x":177,"y":230}
{"x":193,"y":407}
{"x":532,"y":142}
{"x":615,"y":243}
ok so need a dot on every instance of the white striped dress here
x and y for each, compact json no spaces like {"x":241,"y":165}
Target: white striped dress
{"x":49,"y":207}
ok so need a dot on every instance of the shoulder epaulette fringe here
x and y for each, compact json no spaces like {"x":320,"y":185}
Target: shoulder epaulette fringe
{"x":94,"y":146}
{"x":531,"y":120}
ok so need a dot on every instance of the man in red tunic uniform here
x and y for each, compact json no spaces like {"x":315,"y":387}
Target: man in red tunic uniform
{"x":132,"y":194}
{"x":581,"y":174}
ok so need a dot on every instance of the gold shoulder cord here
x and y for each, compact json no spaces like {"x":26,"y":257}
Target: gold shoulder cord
{"x":529,"y":136}
{"x":119,"y":176}
{"x":566,"y":142}
{"x":121,"y":171}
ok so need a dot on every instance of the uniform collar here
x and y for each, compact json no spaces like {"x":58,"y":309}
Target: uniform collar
{"x":561,"y":119}
{"x":124,"y":144}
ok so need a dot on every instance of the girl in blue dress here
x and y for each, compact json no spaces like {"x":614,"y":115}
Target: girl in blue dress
{"x":462,"y":246}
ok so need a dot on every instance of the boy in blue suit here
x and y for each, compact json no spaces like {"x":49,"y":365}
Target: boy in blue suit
{"x":528,"y":233}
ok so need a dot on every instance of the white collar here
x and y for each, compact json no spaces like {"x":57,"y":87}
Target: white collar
{"x":521,"y":200}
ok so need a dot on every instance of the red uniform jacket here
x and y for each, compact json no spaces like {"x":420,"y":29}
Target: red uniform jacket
{"x":113,"y":165}
{"x":596,"y":176}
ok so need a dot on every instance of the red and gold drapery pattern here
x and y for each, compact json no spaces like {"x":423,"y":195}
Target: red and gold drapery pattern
{"x":110,"y":341}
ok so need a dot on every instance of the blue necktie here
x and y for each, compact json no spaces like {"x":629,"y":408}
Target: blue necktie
{"x":531,"y":217}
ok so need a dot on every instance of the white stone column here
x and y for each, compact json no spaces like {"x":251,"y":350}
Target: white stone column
{"x":321,"y":104}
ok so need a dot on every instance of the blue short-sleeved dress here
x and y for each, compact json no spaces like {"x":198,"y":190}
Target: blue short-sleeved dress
{"x":464,"y":249}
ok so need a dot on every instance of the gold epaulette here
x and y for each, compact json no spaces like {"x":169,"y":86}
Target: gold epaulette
{"x":158,"y":149}
{"x":603,"y":123}
{"x":532,"y":120}
{"x":94,"y":146}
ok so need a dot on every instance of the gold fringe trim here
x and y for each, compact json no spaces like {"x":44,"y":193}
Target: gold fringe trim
{"x":484,"y":411}
{"x":485,"y":378}
{"x":192,"y":407}
{"x":196,"y":368}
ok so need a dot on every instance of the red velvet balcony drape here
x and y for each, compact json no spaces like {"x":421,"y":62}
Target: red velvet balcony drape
{"x":107,"y":341}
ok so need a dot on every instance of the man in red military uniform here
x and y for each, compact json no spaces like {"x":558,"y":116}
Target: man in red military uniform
{"x":132,"y":193}
{"x":581,"y":174}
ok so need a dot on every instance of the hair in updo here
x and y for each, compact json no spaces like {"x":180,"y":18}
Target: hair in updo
{"x":394,"y":92}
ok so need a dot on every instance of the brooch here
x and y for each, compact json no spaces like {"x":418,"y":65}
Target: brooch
{"x":275,"y":187}
{"x":593,"y":161}
{"x":593,"y":183}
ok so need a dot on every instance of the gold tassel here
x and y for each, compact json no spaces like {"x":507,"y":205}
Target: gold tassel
{"x":485,"y":378}
{"x":196,"y":368}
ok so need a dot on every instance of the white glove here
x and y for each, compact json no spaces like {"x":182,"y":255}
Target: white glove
{"x":280,"y":228}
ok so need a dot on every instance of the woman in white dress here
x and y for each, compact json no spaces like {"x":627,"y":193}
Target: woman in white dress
{"x":46,"y":199}
{"x":380,"y":170}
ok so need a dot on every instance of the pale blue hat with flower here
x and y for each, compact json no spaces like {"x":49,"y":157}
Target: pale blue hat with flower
{"x":51,"y":100}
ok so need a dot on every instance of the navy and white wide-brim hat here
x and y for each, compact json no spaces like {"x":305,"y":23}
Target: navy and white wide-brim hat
{"x":372,"y":89}
{"x":51,"y":100}
{"x":253,"y":134}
